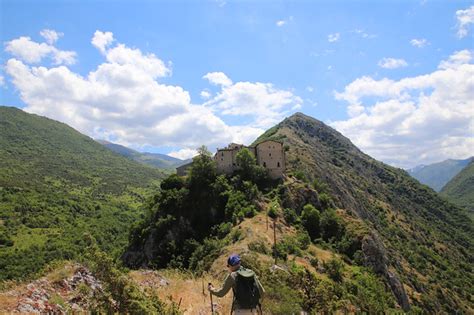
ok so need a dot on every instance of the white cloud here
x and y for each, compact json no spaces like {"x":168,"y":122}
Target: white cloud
{"x":51,"y":36}
{"x":456,"y":59}
{"x":334,"y":37}
{"x":122,"y":101}
{"x":464,"y":19}
{"x":102,"y":40}
{"x":32,"y":52}
{"x":205,"y":94}
{"x":310,"y":89}
{"x":183,"y":154}
{"x":262,"y":102}
{"x":420,"y":43}
{"x":283,"y":22}
{"x":415,"y":120}
{"x":2,"y":80}
{"x":280,"y":23}
{"x":149,"y":63}
{"x":363,"y":34}
{"x":218,"y":78}
{"x":392,"y":63}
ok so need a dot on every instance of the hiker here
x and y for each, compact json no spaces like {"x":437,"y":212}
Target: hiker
{"x":245,"y":285}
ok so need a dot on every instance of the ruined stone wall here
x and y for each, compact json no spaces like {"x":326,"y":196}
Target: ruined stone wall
{"x":271,"y":155}
{"x":225,"y":160}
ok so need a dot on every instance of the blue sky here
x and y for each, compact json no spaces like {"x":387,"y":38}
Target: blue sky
{"x":375,"y":70}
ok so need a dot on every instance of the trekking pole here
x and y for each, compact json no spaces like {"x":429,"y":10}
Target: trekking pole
{"x":212,"y":304}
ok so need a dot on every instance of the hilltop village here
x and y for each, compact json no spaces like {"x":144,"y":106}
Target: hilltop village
{"x":269,"y":154}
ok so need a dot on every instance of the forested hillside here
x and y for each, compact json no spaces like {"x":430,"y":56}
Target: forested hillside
{"x":55,"y":185}
{"x":460,"y":190}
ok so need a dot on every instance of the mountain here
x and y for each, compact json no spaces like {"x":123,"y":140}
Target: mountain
{"x":427,"y":242}
{"x":438,"y":174}
{"x":154,"y":159}
{"x":460,"y":189}
{"x":57,"y":184}
{"x":352,"y":233}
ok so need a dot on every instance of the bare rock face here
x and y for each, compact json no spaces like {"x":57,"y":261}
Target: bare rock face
{"x":297,"y":196}
{"x":375,"y":257}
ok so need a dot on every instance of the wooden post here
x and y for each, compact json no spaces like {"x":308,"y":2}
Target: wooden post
{"x":274,"y":240}
{"x":267,"y":220}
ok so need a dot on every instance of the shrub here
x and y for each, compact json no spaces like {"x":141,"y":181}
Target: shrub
{"x":303,"y":239}
{"x":290,"y":216}
{"x":300,"y":175}
{"x":280,"y":251}
{"x":202,"y":258}
{"x":119,"y":288}
{"x":172,"y":182}
{"x":259,"y":247}
{"x":320,"y":186}
{"x":310,"y":219}
{"x":330,"y":225}
{"x":335,"y":269}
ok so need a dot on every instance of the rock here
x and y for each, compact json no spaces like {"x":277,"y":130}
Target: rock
{"x":375,"y":257}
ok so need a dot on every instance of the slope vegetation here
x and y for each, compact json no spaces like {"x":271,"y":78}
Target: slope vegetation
{"x":424,"y":244}
{"x":460,"y":190}
{"x":55,"y":185}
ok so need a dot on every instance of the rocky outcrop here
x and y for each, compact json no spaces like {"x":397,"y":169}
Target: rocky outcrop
{"x":375,"y":257}
{"x":298,"y":194}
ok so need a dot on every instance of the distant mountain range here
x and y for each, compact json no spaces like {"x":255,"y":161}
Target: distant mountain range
{"x":154,"y":159}
{"x":438,"y":174}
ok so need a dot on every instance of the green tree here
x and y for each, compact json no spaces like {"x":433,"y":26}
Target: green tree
{"x":203,"y":172}
{"x":247,"y":163}
{"x":330,"y":224}
{"x":310,"y":219}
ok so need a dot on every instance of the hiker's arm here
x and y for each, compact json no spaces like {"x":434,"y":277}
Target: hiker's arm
{"x":260,"y":286}
{"x":228,"y":284}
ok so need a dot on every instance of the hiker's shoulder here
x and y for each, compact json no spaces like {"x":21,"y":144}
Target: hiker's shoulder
{"x":246,"y":272}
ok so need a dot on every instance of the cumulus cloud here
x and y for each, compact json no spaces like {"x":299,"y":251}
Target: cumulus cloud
{"x":392,"y":63}
{"x":218,"y":78}
{"x":464,"y":19}
{"x":420,"y":43}
{"x":123,"y":101}
{"x":183,"y":154}
{"x":102,"y":40}
{"x":205,"y":94}
{"x":32,"y":52}
{"x":415,"y":120}
{"x":333,"y":37}
{"x":51,"y":36}
{"x":262,"y":102}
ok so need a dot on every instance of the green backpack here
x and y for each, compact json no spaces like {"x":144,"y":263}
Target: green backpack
{"x":246,"y":291}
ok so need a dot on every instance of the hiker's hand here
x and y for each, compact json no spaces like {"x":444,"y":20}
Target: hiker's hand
{"x":210,"y":287}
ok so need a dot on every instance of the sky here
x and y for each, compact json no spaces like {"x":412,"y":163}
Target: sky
{"x":395,"y":77}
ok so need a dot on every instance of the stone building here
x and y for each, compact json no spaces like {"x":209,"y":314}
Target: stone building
{"x":270,"y":154}
{"x":183,"y":169}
